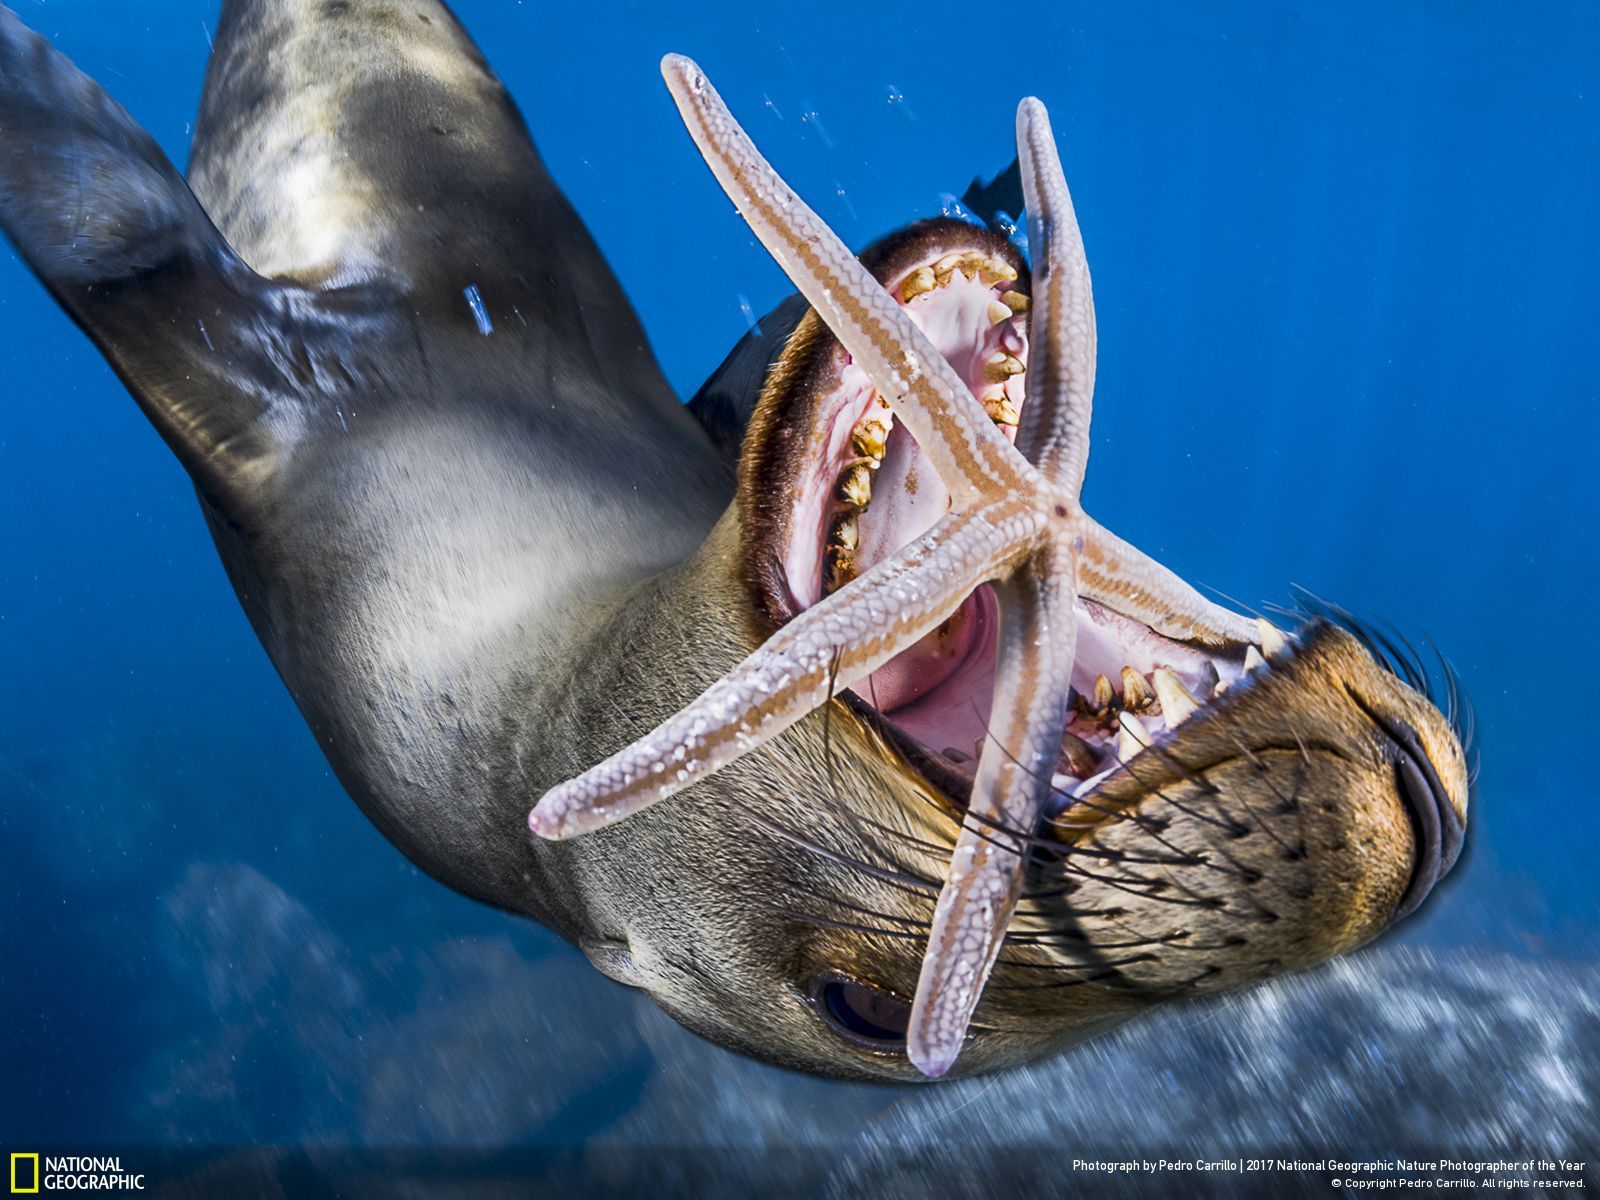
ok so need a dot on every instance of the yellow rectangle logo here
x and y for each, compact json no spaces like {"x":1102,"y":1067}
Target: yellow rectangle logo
{"x":16,"y":1185}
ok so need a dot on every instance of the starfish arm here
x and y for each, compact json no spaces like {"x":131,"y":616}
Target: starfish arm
{"x":832,"y":645}
{"x":1123,"y":577}
{"x":1054,"y":435}
{"x":1038,"y":636}
{"x":970,"y":454}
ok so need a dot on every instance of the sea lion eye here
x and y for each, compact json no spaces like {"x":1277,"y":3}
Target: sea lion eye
{"x":863,"y":1016}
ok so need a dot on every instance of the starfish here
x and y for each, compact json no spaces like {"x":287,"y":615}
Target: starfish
{"x":1016,"y":522}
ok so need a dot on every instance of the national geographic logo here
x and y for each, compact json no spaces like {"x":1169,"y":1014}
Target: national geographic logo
{"x":31,"y":1174}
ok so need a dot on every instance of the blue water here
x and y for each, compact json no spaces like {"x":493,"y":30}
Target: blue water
{"x":1348,"y":280}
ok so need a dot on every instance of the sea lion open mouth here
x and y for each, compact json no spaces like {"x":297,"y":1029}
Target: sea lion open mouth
{"x":831,"y":484}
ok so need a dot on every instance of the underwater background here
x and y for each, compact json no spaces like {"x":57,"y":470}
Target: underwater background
{"x":1347,"y":272}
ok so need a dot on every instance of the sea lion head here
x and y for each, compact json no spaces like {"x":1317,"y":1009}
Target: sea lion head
{"x":1218,"y":800}
{"x":782,"y":907}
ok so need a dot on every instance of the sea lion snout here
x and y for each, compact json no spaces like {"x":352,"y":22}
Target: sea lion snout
{"x":1432,"y":778}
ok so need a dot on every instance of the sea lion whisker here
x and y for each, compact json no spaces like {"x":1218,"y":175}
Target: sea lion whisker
{"x":1103,"y":970}
{"x":1176,"y":859}
{"x":1187,"y":947}
{"x":1128,"y":883}
{"x":1064,"y":968}
{"x":1204,"y":901}
{"x":834,"y":923}
{"x":1232,"y":826}
{"x":1305,"y":753}
{"x":1189,"y":774}
{"x":884,"y":874}
{"x":1019,"y":986}
{"x":1152,"y":828}
{"x":1265,"y":826}
{"x":1074,"y":937}
{"x":862,"y":826}
{"x":1057,"y":848}
{"x":1160,"y":886}
{"x":834,"y":900}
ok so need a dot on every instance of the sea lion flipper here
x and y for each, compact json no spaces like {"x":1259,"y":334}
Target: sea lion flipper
{"x":209,"y":348}
{"x":345,"y":140}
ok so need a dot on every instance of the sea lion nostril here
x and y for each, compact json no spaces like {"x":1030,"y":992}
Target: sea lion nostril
{"x":1434,"y":822}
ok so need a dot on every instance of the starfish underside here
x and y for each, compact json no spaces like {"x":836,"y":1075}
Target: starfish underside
{"x":1015,"y":522}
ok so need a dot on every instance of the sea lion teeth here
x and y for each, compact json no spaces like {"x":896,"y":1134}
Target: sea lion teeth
{"x":1103,"y":693}
{"x":1177,"y":704}
{"x":1000,"y":366}
{"x":945,"y":267}
{"x":855,"y":484}
{"x":916,"y":284}
{"x":1210,"y":682}
{"x":994,"y":270}
{"x":1016,"y":301}
{"x":1132,"y":736}
{"x":1135,"y":691}
{"x":999,"y":311}
{"x":1079,"y":756}
{"x":1002,"y":409}
{"x":839,"y":568}
{"x":1273,"y":641}
{"x":846,"y":532}
{"x":869,"y":436}
{"x":1253,"y":660}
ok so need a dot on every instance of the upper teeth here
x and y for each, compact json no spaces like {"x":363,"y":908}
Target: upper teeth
{"x":968,"y":262}
{"x":869,"y":436}
{"x":1000,"y":366}
{"x":919,"y":281}
{"x":1273,"y":641}
{"x":1135,"y":692}
{"x":855,"y":484}
{"x":987,"y":269}
{"x":1002,"y":409}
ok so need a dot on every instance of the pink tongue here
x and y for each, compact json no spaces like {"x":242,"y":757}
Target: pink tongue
{"x":919,"y":670}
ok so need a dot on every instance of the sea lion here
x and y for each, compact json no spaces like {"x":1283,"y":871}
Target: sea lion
{"x":961,"y":773}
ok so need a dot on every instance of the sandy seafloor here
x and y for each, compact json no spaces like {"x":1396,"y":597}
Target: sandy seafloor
{"x":1348,"y":283}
